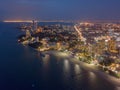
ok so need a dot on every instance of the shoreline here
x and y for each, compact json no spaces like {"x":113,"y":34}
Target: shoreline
{"x":77,"y":61}
{"x":64,"y":38}
{"x":92,"y":68}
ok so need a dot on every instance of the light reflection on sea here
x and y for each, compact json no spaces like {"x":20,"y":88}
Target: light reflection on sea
{"x":22,"y":68}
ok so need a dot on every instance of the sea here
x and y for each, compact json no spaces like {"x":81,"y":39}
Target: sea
{"x":23,"y":68}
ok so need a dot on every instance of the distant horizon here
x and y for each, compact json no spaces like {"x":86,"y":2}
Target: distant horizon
{"x":30,"y":20}
{"x":74,"y":10}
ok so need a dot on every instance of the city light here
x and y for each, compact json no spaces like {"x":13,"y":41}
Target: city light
{"x":17,"y":21}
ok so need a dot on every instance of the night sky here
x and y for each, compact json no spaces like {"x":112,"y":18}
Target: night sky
{"x":60,"y":9}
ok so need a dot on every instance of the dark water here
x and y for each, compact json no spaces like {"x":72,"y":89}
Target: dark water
{"x":22,"y":68}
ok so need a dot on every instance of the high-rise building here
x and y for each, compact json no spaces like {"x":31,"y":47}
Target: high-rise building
{"x":28,"y":34}
{"x":34,"y":25}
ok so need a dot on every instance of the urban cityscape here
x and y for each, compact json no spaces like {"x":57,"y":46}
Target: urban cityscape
{"x":59,"y":45}
{"x":92,"y":43}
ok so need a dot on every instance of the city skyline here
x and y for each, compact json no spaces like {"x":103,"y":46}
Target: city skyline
{"x":59,"y":10}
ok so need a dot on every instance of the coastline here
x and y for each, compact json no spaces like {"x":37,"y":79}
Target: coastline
{"x":91,"y":68}
{"x":47,"y":38}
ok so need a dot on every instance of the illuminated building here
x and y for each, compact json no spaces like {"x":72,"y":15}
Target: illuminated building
{"x":58,"y":46}
{"x":28,"y":34}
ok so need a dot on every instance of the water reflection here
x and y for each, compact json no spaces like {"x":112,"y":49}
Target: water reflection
{"x":117,"y":88}
{"x":45,"y":67}
{"x":30,"y":53}
{"x":66,"y":70}
{"x":43,"y":71}
{"x":92,"y":79}
{"x":66,"y":66}
{"x":27,"y":52}
{"x":77,"y":69}
{"x":46,"y":60}
{"x":39,"y":56}
{"x":77,"y":72}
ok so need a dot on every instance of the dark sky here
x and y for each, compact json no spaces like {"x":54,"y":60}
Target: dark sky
{"x":60,"y":9}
